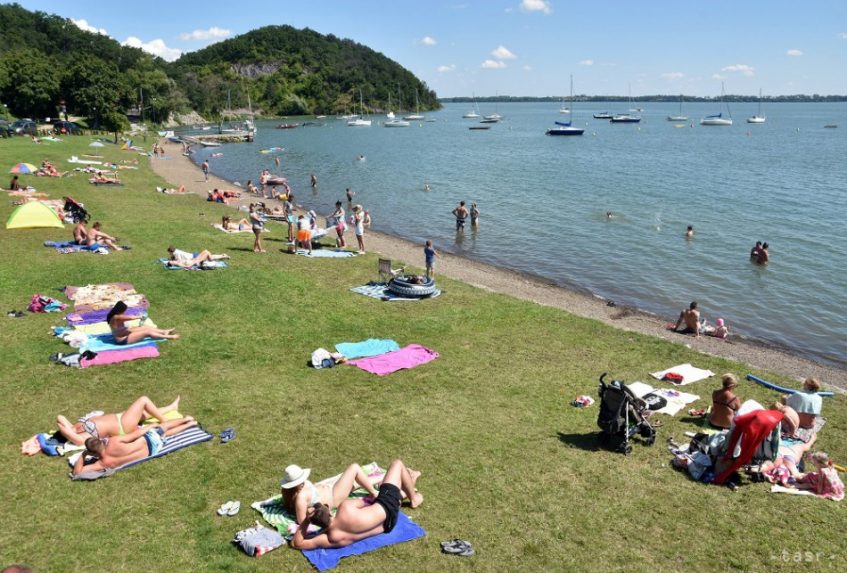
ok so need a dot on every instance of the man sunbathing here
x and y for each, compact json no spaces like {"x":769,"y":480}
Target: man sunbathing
{"x":80,"y":234}
{"x":355,"y":520}
{"x":118,"y":424}
{"x":117,"y":451}
{"x":179,"y":258}
{"x":96,"y":236}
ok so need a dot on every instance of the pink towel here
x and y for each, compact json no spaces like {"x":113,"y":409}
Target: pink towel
{"x":115,"y":356}
{"x":407,"y":357}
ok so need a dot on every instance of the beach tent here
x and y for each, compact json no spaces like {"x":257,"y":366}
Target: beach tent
{"x":31,"y":215}
{"x":23,"y":168}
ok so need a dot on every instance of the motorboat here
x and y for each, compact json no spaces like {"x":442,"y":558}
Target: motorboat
{"x":396,"y":123}
{"x":287,"y":125}
{"x":603,"y":115}
{"x":625,"y":118}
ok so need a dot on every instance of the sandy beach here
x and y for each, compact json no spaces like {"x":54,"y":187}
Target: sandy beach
{"x":180,"y":170}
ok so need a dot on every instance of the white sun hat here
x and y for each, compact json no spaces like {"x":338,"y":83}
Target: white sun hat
{"x":294,"y":476}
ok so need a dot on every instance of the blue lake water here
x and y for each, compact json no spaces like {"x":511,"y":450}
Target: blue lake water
{"x":543,"y":202}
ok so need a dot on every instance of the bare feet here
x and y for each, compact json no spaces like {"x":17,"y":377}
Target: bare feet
{"x":415,"y":475}
{"x":172,"y":406}
{"x":416,"y":499}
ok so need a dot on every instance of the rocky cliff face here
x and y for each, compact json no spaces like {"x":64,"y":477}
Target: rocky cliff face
{"x":255,"y":70}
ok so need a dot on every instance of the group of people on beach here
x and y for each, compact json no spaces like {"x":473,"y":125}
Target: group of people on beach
{"x":462,"y":213}
{"x":86,"y":237}
{"x":690,"y":322}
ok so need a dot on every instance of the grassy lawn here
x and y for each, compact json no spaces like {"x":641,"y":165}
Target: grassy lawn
{"x":507,"y":463}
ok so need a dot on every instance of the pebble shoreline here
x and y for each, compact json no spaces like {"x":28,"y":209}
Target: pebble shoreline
{"x":180,"y":170}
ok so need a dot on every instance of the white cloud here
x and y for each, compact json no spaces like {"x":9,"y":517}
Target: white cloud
{"x":503,"y":53}
{"x":673,"y":76}
{"x":83,"y":24}
{"x":428,"y":41}
{"x":536,"y":6}
{"x":586,"y":62}
{"x":843,"y":35}
{"x":739,"y":68}
{"x":527,"y":68}
{"x":156,"y":47}
{"x":718,"y":77}
{"x":445,"y":69}
{"x":213,"y":33}
{"x":794,"y":53}
{"x":493,"y":65}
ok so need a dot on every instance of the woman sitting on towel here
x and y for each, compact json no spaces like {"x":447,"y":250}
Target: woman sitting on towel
{"x":724,"y":403}
{"x":100,"y":425}
{"x":298,"y":494}
{"x":179,"y":258}
{"x":131,"y":334}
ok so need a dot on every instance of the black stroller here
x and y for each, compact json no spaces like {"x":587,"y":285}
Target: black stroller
{"x":75,"y":211}
{"x":622,"y":416}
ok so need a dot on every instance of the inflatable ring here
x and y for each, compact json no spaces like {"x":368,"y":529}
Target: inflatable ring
{"x":402,"y":287}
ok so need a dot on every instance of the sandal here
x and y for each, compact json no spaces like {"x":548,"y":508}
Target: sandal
{"x":227,"y":435}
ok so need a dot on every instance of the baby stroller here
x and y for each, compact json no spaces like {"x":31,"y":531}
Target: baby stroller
{"x":622,"y":416}
{"x":75,"y":211}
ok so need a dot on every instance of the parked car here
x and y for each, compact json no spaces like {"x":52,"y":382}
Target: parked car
{"x":66,"y":127}
{"x":25,"y":127}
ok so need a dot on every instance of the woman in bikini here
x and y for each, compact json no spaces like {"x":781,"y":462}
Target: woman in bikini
{"x":298,"y":493}
{"x":100,"y":425}
{"x":124,"y":334}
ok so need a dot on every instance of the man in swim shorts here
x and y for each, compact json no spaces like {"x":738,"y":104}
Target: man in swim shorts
{"x":691,"y":318}
{"x":355,"y":519}
{"x":117,"y":451}
{"x":461,"y":214}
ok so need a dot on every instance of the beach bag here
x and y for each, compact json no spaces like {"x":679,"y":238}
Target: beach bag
{"x":673,"y":377}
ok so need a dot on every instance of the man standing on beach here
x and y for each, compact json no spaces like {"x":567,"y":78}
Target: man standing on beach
{"x":205,"y":168}
{"x":691,"y":318}
{"x":461,"y":214}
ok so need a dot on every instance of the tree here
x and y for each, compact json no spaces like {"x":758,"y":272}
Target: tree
{"x":93,"y":87}
{"x":115,"y":121}
{"x":31,"y":86}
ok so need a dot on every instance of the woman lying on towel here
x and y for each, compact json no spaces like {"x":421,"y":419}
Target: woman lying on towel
{"x":179,"y":258}
{"x":103,"y":179}
{"x":117,"y":451}
{"x":240,"y":225}
{"x":131,"y":334}
{"x":100,"y":425}
{"x":299,"y":494}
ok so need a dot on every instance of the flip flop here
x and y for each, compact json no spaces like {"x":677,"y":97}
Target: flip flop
{"x":457,"y":547}
{"x":236,"y":507}
{"x":225,"y":508}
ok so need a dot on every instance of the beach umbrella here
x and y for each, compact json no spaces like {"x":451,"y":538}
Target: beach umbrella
{"x":95,"y":144}
{"x":23,"y":168}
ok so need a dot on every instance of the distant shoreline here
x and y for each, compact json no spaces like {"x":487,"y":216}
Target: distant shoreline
{"x":754,"y":353}
{"x":650,"y":99}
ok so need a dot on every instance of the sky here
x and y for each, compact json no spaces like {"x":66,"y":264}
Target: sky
{"x":528,"y":47}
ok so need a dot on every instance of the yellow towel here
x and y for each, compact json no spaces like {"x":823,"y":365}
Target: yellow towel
{"x":103,"y":327}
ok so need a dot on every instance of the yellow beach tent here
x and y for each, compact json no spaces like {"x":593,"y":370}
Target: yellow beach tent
{"x":31,"y":215}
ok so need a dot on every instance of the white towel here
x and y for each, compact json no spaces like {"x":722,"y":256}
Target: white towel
{"x":689,"y":374}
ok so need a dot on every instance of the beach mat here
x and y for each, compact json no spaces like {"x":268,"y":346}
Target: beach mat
{"x":326,"y":254}
{"x":97,"y":328}
{"x":407,"y":357}
{"x":80,"y":292}
{"x":189,"y":437}
{"x":66,"y":247}
{"x":689,"y":374}
{"x":204,"y":266}
{"x":150,"y":350}
{"x":380,"y":291}
{"x":220,"y":227}
{"x":676,"y":400}
{"x":405,"y":530}
{"x":369,"y":347}
{"x":273,"y":511}
{"x":107,"y":342}
{"x":95,"y":316}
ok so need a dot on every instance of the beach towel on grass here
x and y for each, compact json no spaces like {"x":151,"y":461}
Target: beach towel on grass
{"x":407,"y":357}
{"x":275,"y":514}
{"x":148,"y":350}
{"x":95,"y":316}
{"x":380,"y":291}
{"x":405,"y":530}
{"x":689,"y":374}
{"x":676,"y":400}
{"x":90,"y":293}
{"x":204,"y":266}
{"x":369,"y":347}
{"x":189,"y":437}
{"x":220,"y":227}
{"x":326,"y":253}
{"x":97,"y":328}
{"x":107,"y":342}
{"x":131,"y":301}
{"x":65,"y":247}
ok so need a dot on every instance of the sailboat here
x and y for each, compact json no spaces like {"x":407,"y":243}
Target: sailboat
{"x":679,"y":116}
{"x":392,"y":120}
{"x":494,"y":117}
{"x":417,"y":115}
{"x":718,"y":119}
{"x":626,"y":117}
{"x":565,"y":109}
{"x":474,"y":113}
{"x":390,"y":114}
{"x":566,"y":127}
{"x":758,"y":118}
{"x":359,"y":121}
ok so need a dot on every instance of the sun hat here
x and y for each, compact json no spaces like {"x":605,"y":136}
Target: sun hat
{"x":294,"y":475}
{"x":719,"y":322}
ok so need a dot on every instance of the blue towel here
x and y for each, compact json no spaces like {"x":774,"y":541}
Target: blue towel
{"x":326,"y":253}
{"x":105,"y":342}
{"x":61,"y":245}
{"x":370,"y":347}
{"x":405,"y":530}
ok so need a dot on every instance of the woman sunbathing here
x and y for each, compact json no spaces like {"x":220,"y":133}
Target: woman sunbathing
{"x":179,"y":258}
{"x":118,"y":424}
{"x":124,"y":334}
{"x":103,"y":179}
{"x":240,"y":225}
{"x":298,"y":494}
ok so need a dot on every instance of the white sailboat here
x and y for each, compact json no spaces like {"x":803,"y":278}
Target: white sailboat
{"x":417,"y":115}
{"x":758,"y":118}
{"x":474,"y":113}
{"x":679,"y":116}
{"x":718,"y":119}
{"x":565,"y":109}
{"x":360,"y":121}
{"x":494,"y":117}
{"x":390,"y":114}
{"x":566,"y":127}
